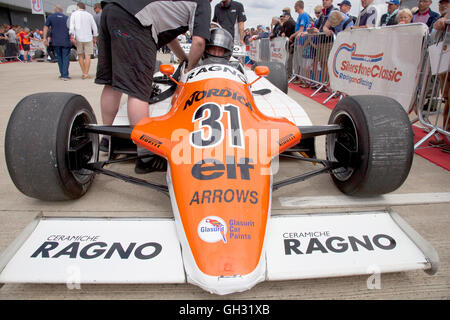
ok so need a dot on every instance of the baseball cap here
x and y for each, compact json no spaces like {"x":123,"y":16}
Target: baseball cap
{"x":397,"y":2}
{"x":440,"y":1}
{"x":347,"y":3}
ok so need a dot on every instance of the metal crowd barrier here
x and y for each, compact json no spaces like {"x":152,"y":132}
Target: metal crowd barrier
{"x":310,"y":60}
{"x":264,"y":50}
{"x":432,"y":101}
{"x":11,"y":58}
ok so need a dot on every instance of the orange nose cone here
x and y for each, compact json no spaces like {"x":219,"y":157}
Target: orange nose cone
{"x":167,"y":69}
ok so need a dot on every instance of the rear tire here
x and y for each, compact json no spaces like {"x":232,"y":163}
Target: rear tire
{"x":277,"y":76}
{"x":41,"y":130}
{"x":379,"y":135}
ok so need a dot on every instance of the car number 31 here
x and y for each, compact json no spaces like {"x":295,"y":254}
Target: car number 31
{"x":211,"y":129}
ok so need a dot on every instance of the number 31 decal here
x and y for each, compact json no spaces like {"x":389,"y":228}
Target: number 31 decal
{"x":210,"y":116}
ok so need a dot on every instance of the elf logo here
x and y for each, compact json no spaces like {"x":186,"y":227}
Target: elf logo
{"x":210,"y":169}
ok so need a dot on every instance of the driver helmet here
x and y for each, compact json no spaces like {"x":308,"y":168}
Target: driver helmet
{"x":220,"y":38}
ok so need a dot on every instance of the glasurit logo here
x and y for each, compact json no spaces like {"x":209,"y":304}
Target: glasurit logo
{"x":212,"y":229}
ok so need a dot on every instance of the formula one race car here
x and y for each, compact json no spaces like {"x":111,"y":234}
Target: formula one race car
{"x":212,"y":125}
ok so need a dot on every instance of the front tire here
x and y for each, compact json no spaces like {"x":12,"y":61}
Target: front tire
{"x":376,"y":148}
{"x":41,"y":130}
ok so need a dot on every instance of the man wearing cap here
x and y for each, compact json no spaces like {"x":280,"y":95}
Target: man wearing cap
{"x":425,"y":14}
{"x":262,"y":34}
{"x":231,"y":16}
{"x":287,"y":29}
{"x":287,"y":24}
{"x":390,"y":17}
{"x":444,"y":10}
{"x":345,"y":7}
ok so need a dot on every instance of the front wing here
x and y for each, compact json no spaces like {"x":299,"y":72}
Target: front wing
{"x":146,"y":250}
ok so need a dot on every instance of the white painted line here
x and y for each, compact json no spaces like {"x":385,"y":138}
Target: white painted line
{"x":348,"y":201}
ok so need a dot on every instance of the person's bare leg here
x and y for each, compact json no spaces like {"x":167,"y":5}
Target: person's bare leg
{"x":81,"y":62}
{"x":109,"y":103}
{"x":137,"y":109}
{"x":87,"y":64}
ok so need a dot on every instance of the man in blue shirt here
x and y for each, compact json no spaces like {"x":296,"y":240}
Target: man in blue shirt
{"x":303,"y":21}
{"x":60,"y":40}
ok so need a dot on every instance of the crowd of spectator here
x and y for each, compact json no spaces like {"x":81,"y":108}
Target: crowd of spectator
{"x":330,"y":19}
{"x":15,"y":39}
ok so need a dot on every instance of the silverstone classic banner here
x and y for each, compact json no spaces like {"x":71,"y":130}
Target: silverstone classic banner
{"x":378,"y":61}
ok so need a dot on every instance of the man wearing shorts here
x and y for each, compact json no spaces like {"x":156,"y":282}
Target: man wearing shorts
{"x":131,"y":32}
{"x":84,"y":31}
{"x":24,"y":37}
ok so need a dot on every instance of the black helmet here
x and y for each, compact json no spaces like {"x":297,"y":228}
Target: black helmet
{"x":220,"y":38}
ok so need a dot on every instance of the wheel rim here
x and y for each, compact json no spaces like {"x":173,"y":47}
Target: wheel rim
{"x":341,"y":145}
{"x":78,"y":136}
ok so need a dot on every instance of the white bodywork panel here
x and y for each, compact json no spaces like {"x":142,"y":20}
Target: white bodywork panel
{"x":274,"y":104}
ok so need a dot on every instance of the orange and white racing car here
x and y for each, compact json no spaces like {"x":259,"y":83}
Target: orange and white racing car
{"x":221,"y":128}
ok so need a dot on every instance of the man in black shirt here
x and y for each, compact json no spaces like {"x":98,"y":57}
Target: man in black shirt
{"x":228,"y":14}
{"x":287,"y":25}
{"x":287,"y":29}
{"x":131,"y":32}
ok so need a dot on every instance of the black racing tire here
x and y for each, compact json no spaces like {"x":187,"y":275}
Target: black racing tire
{"x":379,"y":135}
{"x":278,"y":75}
{"x":40,"y":131}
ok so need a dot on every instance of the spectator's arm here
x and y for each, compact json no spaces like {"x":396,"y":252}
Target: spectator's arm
{"x":326,"y":28}
{"x":72,"y":25}
{"x":174,"y":45}
{"x":44,"y":34}
{"x":94,"y":27}
{"x":241,"y":31}
{"x":197,"y":49}
{"x":297,"y":34}
{"x":440,"y":23}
